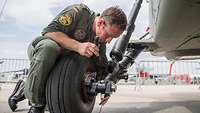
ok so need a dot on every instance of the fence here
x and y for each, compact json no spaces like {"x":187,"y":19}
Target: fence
{"x":167,"y":72}
{"x":13,"y":69}
{"x":180,"y":71}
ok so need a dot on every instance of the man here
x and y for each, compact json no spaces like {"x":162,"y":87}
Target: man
{"x":76,"y":29}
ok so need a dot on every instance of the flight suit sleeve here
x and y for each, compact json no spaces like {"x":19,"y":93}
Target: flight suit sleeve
{"x":65,"y":21}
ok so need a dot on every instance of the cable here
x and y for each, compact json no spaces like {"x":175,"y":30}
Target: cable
{"x":100,"y":109}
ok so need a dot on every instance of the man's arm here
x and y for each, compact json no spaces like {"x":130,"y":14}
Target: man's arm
{"x":85,"y":49}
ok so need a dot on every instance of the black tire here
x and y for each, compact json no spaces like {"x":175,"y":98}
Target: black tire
{"x":65,"y":92}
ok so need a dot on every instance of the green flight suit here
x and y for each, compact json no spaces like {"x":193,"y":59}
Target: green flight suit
{"x":75,"y":21}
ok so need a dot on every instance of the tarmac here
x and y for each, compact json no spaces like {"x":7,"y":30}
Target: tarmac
{"x":133,"y":99}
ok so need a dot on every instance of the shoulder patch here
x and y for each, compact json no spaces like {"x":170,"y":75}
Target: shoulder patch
{"x":65,"y":20}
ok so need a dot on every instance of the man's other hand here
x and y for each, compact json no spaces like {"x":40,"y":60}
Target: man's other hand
{"x":88,"y":49}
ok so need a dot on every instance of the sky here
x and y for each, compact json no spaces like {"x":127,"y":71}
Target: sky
{"x":22,"y":20}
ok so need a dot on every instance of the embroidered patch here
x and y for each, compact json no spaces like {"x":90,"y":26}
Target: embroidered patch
{"x":65,"y":20}
{"x":79,"y":34}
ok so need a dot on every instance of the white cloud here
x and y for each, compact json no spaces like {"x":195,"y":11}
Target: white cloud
{"x":3,"y":35}
{"x":100,"y":5}
{"x":38,"y":13}
{"x":30,"y":13}
{"x":12,"y":49}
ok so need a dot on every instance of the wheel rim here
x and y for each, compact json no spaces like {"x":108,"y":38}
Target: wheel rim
{"x":84,"y":89}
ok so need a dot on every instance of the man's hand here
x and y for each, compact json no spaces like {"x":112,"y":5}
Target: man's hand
{"x":88,"y":49}
{"x":104,"y":99}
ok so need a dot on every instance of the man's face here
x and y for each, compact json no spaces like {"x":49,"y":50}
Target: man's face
{"x":107,"y":31}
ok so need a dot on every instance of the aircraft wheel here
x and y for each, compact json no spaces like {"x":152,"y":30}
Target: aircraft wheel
{"x":65,"y":91}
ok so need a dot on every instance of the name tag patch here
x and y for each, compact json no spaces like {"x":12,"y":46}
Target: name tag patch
{"x":80,"y":34}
